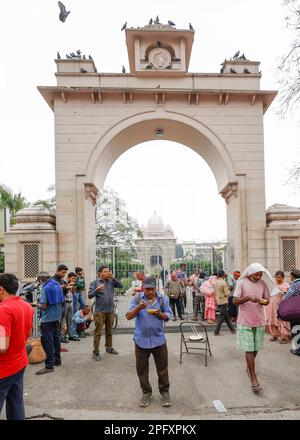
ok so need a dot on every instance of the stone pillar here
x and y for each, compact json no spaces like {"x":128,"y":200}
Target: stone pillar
{"x":235,"y":196}
{"x":31,"y":244}
{"x":283,"y":238}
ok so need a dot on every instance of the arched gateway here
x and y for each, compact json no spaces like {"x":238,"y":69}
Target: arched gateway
{"x":98,"y":116}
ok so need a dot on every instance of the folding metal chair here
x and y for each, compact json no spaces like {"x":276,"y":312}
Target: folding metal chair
{"x":191,"y":334}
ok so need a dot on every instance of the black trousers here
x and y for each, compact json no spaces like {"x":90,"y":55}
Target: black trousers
{"x":11,"y":391}
{"x":223,"y":316}
{"x":232,"y":308}
{"x":176,"y":301}
{"x":50,"y":338}
{"x":160,"y":355}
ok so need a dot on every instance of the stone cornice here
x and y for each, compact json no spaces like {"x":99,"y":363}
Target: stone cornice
{"x":159,"y":95}
{"x":230,"y":190}
{"x":90,"y":192}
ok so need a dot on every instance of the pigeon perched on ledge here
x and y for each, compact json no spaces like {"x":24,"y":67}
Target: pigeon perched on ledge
{"x":171,"y":23}
{"x":124,"y":26}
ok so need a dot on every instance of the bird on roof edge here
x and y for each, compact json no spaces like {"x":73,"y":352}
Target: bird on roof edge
{"x":124,"y":26}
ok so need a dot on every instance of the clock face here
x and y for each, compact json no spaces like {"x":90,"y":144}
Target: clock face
{"x":160,"y":58}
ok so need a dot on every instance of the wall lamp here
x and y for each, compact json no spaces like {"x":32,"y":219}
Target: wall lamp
{"x":159,"y":132}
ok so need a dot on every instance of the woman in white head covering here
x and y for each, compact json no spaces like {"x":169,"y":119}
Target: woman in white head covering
{"x":251,"y":294}
{"x":255,"y":268}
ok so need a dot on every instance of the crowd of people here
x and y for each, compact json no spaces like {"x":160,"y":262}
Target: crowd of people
{"x":245,"y":302}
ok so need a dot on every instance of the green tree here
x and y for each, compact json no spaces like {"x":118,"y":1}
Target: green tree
{"x":2,"y":261}
{"x":289,"y":66}
{"x":13,"y":202}
{"x":113,"y":223}
{"x":49,"y":203}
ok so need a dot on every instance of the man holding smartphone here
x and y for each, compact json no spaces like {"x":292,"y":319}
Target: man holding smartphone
{"x":102,"y":289}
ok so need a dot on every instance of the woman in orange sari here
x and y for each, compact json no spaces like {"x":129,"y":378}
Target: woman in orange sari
{"x":278,"y":329}
{"x":207,"y":288}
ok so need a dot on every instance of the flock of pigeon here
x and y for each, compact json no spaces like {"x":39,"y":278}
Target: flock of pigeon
{"x":63,"y":14}
{"x":157,"y":22}
{"x":236,"y":56}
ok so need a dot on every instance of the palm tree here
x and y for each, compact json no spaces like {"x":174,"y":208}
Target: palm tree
{"x":13,"y":202}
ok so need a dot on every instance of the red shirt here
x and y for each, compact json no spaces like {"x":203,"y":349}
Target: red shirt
{"x":16,"y":322}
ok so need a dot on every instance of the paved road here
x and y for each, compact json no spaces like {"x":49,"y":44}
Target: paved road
{"x":109,"y":389}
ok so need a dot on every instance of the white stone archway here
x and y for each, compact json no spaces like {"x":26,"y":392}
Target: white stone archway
{"x":98,"y":116}
{"x":176,"y":127}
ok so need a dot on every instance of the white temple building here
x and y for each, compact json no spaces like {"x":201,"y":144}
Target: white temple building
{"x":157,"y":247}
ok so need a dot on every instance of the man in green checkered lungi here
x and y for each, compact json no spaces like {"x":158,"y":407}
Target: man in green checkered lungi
{"x":251,"y":295}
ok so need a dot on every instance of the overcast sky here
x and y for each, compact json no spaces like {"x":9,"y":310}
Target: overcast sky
{"x":183,"y":187}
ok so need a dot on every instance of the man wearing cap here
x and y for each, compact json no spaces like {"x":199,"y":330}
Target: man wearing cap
{"x":102,"y":289}
{"x":151,"y":309}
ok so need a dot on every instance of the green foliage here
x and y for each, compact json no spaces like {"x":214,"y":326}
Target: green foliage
{"x":125,"y":263}
{"x":126,"y":283}
{"x":13,"y":202}
{"x":49,"y":203}
{"x":193,"y":264}
{"x":2,"y":260}
{"x":113,"y":223}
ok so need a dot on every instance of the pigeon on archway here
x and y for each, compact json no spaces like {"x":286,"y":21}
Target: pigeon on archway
{"x":150,"y":21}
{"x":58,"y":56}
{"x":123,"y":69}
{"x":246,"y":70}
{"x":171,"y":23}
{"x":124,"y":26}
{"x":63,"y":12}
{"x":232,"y":70}
{"x":236,"y":54}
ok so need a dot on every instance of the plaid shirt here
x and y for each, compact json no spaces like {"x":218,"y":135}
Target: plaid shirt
{"x":294,"y":289}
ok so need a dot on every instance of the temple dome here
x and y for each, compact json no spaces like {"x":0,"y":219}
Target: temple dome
{"x":156,"y":228}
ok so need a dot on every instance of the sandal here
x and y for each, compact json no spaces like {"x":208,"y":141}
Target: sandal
{"x":256,"y":388}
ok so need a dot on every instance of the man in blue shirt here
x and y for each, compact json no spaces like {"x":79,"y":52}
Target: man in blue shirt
{"x":51,"y":302}
{"x":151,"y":309}
{"x":102,"y":289}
